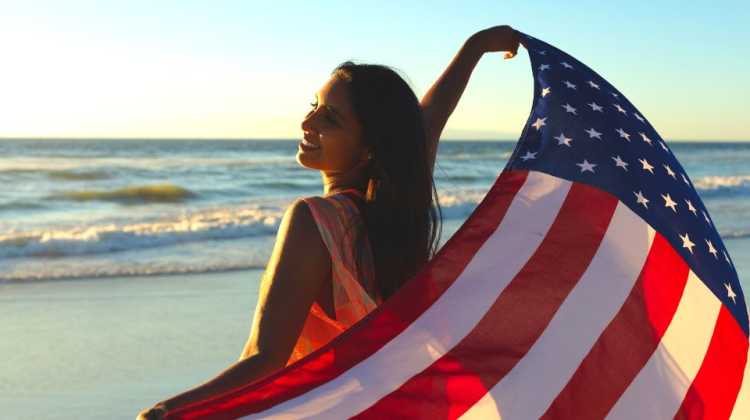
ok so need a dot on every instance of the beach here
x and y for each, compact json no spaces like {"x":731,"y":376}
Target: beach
{"x":115,"y":294}
{"x":106,"y":348}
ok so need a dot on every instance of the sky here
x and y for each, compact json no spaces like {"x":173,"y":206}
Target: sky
{"x":247,"y":69}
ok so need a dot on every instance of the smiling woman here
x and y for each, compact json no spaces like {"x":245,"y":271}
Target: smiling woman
{"x":339,"y":255}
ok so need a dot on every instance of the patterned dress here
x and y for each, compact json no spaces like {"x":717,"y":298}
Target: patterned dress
{"x":333,"y":214}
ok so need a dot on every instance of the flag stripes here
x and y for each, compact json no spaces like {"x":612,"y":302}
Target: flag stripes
{"x":628,"y":341}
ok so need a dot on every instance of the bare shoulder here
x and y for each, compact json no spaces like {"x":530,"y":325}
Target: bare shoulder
{"x":299,"y":246}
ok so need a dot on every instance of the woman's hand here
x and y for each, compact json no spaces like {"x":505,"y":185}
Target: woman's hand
{"x":497,"y":38}
{"x":156,"y":412}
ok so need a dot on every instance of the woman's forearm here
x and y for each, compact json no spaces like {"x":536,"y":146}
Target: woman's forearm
{"x":441,"y":99}
{"x":444,"y":94}
{"x":238,"y":374}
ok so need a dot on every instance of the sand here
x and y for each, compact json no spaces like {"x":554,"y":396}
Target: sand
{"x":106,"y":348}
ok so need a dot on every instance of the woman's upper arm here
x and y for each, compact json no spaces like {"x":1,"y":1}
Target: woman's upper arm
{"x":299,"y":265}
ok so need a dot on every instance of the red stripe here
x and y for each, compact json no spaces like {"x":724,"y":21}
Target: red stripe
{"x":717,"y":384}
{"x":627,"y":343}
{"x":455,"y":382}
{"x":378,"y":327}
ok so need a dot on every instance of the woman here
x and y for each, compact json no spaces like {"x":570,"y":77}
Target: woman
{"x":336,"y":257}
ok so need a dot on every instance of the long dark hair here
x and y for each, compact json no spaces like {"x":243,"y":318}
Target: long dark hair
{"x":402,"y":224}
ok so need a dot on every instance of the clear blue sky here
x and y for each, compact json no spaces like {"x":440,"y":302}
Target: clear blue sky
{"x":243,"y":69}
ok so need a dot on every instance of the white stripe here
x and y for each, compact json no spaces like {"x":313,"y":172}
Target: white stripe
{"x":532,"y":385}
{"x":659,"y":388}
{"x":450,"y":317}
{"x":741,"y":410}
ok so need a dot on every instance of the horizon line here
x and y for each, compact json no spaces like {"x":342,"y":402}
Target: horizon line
{"x":456,"y":139}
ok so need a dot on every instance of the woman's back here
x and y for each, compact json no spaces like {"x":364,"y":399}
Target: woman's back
{"x":352,"y":292}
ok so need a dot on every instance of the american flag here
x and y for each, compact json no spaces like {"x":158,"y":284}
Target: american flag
{"x":589,"y":283}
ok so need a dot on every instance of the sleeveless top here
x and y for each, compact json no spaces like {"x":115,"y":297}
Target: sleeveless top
{"x":334,"y":214}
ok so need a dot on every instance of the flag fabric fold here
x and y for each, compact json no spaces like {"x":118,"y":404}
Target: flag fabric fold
{"x":590,"y":282}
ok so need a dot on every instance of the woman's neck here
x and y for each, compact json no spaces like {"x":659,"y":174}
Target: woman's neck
{"x":334,"y":182}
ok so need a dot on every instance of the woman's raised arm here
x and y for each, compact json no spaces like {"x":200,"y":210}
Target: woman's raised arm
{"x":440,"y":101}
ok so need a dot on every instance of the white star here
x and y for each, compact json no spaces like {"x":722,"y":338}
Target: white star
{"x":685,"y":179}
{"x":545,"y":91}
{"x":561,"y":139}
{"x":669,"y":203}
{"x":566,"y":65}
{"x":646,"y":139}
{"x":539,"y":123}
{"x":726,"y":257}
{"x":641,"y":199}
{"x":663,"y":146}
{"x":670,"y":172}
{"x":593,"y":133}
{"x":686,"y":243}
{"x":619,"y":108}
{"x":705,"y":216}
{"x":623,"y":134}
{"x":529,"y":155}
{"x":691,"y":208}
{"x":711,"y":249}
{"x":730,"y":292}
{"x":586,"y":166}
{"x":595,"y":107}
{"x":542,"y":52}
{"x":570,"y":85}
{"x":615,"y":95}
{"x":646,"y":166}
{"x":621,"y":163}
{"x":593,"y":85}
{"x":569,"y":108}
{"x":638,"y":116}
{"x":543,"y":67}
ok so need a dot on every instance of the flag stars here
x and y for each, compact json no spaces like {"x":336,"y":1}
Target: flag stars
{"x":586,"y":166}
{"x":569,"y":109}
{"x":566,"y":65}
{"x":670,"y":172}
{"x":539,"y":123}
{"x":638,"y":116}
{"x":620,"y":163}
{"x":543,"y":67}
{"x":595,"y":107}
{"x":593,"y":85}
{"x":615,"y":95}
{"x":561,"y":139}
{"x":687,"y":243}
{"x":545,"y":91}
{"x":619,"y":108}
{"x":726,"y":257}
{"x":668,"y":202}
{"x":705,"y":216}
{"x":641,"y":199}
{"x":711,"y":249}
{"x":645,"y":138}
{"x":691,"y":208}
{"x":663,"y":146}
{"x":646,"y":166}
{"x":542,"y":52}
{"x":529,"y":155}
{"x":570,"y":85}
{"x":594,"y":134}
{"x":685,"y":179}
{"x":623,"y":134}
{"x":730,"y":292}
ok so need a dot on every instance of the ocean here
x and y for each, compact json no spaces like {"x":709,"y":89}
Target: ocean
{"x":73,"y":209}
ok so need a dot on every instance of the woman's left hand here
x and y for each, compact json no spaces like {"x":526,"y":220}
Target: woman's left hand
{"x":156,"y":412}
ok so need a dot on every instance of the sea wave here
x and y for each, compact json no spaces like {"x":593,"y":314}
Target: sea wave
{"x":723,"y":184}
{"x":141,"y":193}
{"x":88,"y":238}
{"x":79,"y":176}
